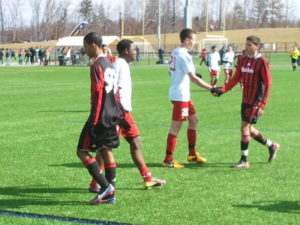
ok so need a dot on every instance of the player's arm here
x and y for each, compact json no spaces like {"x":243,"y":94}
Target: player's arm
{"x":97,"y":82}
{"x":198,"y":81}
{"x":266,"y":78}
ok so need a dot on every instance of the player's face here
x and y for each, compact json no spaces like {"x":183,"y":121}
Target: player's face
{"x":191,"y":42}
{"x":251,"y":48}
{"x":131,"y":53}
{"x":88,"y":49}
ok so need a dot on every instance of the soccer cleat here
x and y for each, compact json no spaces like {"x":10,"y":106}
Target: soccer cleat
{"x":110,"y":199}
{"x":154,"y":182}
{"x":196,"y":158}
{"x":94,"y":188}
{"x":173,"y":164}
{"x":103,"y":196}
{"x":241,"y":164}
{"x":273,"y":151}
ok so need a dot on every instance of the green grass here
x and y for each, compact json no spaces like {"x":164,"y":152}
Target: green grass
{"x":44,"y":108}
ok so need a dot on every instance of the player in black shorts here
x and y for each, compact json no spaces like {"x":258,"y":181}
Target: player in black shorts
{"x":254,"y":73}
{"x":99,"y":133}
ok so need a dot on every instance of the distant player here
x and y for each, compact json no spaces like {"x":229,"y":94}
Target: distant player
{"x":294,"y":56}
{"x":227,"y":60}
{"x":99,"y":133}
{"x":254,"y":71}
{"x":213,"y":65}
{"x":203,"y":57}
{"x":107,"y":52}
{"x":182,"y":72}
{"x":127,"y":127}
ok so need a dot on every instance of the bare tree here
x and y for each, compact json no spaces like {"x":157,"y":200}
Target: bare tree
{"x":15,"y":9}
{"x":2,"y":21}
{"x":36,"y":7}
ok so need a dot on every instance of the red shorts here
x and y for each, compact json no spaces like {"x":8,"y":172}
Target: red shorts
{"x":228,"y":72}
{"x":132,"y":131}
{"x":182,"y":110}
{"x":214,"y":72}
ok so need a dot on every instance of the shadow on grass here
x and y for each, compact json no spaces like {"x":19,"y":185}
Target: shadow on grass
{"x":33,"y":195}
{"x":63,"y":111}
{"x":292,"y":207}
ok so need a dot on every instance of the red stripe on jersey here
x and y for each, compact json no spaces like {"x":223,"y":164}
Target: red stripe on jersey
{"x":256,"y":79}
{"x":97,"y":88}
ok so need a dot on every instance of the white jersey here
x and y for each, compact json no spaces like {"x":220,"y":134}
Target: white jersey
{"x":228,"y":60}
{"x":124,"y":82}
{"x":180,"y":65}
{"x":213,"y":60}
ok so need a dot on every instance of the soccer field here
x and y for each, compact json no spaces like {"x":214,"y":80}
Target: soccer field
{"x":43,"y":110}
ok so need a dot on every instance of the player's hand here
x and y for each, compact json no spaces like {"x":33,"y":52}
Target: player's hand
{"x":260,"y":111}
{"x":216,"y":91}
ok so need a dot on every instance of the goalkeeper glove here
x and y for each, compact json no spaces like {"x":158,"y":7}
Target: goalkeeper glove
{"x":216,"y":91}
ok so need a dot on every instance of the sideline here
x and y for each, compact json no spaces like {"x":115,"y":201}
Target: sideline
{"x":58,"y":218}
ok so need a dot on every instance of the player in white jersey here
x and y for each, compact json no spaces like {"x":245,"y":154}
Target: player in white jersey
{"x":127,"y":126}
{"x":213,"y":65}
{"x":228,"y":59}
{"x":182,"y":71}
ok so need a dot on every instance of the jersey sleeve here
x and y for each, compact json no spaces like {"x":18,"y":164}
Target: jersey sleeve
{"x":97,"y":84}
{"x":185,"y":64}
{"x":266,"y":79}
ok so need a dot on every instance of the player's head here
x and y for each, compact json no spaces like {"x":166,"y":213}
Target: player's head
{"x":126,"y":50}
{"x":252,"y":45}
{"x":92,"y":43}
{"x":188,"y":38}
{"x":104,"y":48}
{"x":213,"y":48}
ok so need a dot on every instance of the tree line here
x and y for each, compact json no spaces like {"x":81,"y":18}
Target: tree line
{"x":40,"y":20}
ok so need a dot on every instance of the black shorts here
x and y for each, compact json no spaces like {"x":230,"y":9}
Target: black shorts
{"x":104,"y":138}
{"x":249,"y":113}
{"x":294,"y":60}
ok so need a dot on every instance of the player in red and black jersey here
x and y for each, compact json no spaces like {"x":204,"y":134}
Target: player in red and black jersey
{"x":253,"y":71}
{"x":99,"y":133}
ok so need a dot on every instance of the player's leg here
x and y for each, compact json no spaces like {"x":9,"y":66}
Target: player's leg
{"x":138,"y":159}
{"x":245,"y":139}
{"x":171,"y":145}
{"x":92,"y":166}
{"x":94,"y":186}
{"x":272,"y":146}
{"x":107,"y":190}
{"x":180,"y":113}
{"x":192,"y":137}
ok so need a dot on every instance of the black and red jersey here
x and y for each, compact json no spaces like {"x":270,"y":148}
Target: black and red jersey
{"x":104,"y":108}
{"x":254,"y":73}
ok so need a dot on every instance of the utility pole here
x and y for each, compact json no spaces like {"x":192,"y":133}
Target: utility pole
{"x":159,"y":24}
{"x":187,"y":15}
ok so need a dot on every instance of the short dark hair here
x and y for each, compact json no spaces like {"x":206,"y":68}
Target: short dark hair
{"x":123,"y":44}
{"x":254,"y":39}
{"x":93,"y":37}
{"x":186,"y":33}
{"x":213,"y":47}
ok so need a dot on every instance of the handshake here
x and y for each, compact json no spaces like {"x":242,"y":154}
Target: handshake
{"x":216,"y":91}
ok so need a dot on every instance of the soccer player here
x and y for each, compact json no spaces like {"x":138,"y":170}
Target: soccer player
{"x":254,"y":71}
{"x":227,"y":60}
{"x":127,"y":127}
{"x":203,"y":57}
{"x":213,"y":65}
{"x":107,"y":52}
{"x":294,"y":56}
{"x":99,"y":133}
{"x":182,"y":71}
